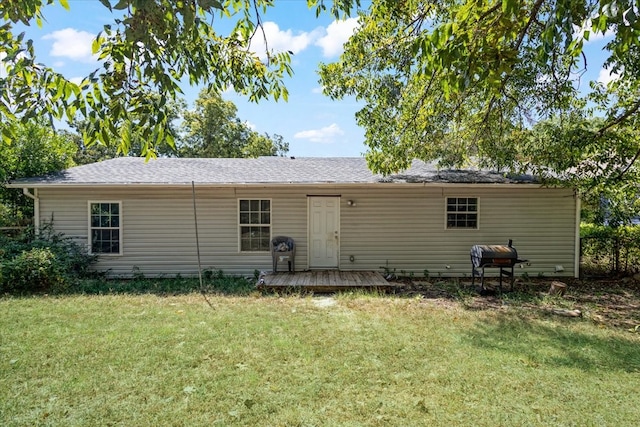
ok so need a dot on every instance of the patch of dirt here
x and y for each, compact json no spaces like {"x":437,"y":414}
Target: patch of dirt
{"x":324,"y":302}
{"x":610,"y":302}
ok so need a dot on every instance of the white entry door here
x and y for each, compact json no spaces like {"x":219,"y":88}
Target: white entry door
{"x":324,"y":232}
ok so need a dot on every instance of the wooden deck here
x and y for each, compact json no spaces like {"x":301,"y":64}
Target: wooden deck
{"x":326,"y":281}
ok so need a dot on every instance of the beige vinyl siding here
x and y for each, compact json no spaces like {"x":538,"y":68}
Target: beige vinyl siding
{"x":404,"y":229}
{"x":159,"y":231}
{"x":389,"y":227}
{"x":401,"y":227}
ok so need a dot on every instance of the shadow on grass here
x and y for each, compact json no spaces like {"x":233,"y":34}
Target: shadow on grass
{"x":539,"y":343}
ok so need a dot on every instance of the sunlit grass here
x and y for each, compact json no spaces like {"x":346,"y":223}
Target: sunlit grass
{"x":354,"y":359}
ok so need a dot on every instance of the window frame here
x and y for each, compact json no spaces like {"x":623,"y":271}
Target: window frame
{"x":240,"y":224}
{"x":91,"y":228}
{"x":447,"y":212}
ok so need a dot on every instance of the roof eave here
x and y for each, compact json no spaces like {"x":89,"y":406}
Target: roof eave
{"x":276,"y":184}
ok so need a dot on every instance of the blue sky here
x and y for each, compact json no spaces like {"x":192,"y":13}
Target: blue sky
{"x":314,"y":125}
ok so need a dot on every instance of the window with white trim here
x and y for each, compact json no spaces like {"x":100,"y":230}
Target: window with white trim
{"x":462,"y":212}
{"x":105,"y":230}
{"x":255,"y":224}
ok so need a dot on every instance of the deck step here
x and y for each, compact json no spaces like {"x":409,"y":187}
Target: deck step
{"x":325,"y":281}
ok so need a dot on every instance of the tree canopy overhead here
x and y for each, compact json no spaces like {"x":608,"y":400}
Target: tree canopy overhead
{"x":441,"y":79}
{"x":149,"y":48}
{"x":454,"y":80}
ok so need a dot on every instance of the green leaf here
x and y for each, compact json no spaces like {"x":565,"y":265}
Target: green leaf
{"x":122,"y":5}
{"x":95,"y":45}
{"x":106,"y":3}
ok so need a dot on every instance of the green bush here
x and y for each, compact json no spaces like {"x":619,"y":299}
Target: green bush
{"x":36,"y":269}
{"x":607,"y":249}
{"x":46,"y":262}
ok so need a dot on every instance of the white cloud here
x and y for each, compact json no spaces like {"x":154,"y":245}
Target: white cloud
{"x":594,"y":37}
{"x":323,"y":135}
{"x":76,"y":80}
{"x":317,"y":89}
{"x":3,"y":70}
{"x":578,"y":32}
{"x":338,"y":32}
{"x":606,"y":76}
{"x":330,"y":39}
{"x":3,"y":65}
{"x":71,"y":43}
{"x":280,"y":40}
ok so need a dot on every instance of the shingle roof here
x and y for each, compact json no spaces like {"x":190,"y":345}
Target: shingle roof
{"x":263,"y":170}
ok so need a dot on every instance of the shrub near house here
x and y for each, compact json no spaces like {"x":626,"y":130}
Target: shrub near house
{"x":606,"y":249}
{"x":46,"y":262}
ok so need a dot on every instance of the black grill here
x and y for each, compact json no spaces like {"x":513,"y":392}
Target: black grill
{"x":503,"y":257}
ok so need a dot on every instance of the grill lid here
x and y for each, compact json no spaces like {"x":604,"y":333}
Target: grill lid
{"x":494,"y":254}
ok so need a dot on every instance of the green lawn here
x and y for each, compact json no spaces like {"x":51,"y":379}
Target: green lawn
{"x":353,"y":360}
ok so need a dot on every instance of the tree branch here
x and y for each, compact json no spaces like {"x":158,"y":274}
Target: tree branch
{"x":259,"y":26}
{"x":626,"y":169}
{"x":532,"y":18}
{"x":634,"y":108}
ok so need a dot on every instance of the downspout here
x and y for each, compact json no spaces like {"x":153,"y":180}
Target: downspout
{"x":36,"y":207}
{"x":576,"y":268}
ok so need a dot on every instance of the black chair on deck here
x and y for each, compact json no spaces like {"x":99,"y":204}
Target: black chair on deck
{"x":283,"y":248}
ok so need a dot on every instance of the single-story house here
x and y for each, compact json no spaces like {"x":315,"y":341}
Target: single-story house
{"x":141,"y":215}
